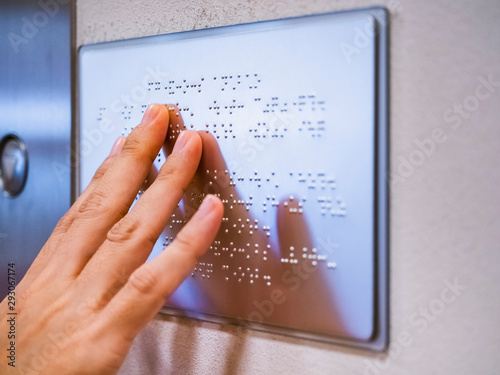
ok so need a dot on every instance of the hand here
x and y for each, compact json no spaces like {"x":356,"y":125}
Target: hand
{"x":89,"y":292}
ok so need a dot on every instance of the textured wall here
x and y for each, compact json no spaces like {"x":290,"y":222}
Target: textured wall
{"x":445,"y":207}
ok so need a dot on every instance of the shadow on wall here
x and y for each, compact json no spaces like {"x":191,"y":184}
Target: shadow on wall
{"x":174,"y":353}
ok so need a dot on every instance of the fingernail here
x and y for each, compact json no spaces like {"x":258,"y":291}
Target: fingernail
{"x":117,"y":146}
{"x":207,"y":205}
{"x":181,"y":142}
{"x":151,"y":113}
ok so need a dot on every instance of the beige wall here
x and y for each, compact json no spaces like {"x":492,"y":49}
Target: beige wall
{"x":445,"y":213}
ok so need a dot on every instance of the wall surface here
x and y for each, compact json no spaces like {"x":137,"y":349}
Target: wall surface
{"x":445,"y":228}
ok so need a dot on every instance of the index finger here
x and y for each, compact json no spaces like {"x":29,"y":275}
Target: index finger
{"x":116,"y":190}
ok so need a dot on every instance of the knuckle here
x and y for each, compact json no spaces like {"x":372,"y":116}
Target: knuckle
{"x":98,"y":303}
{"x":172,"y":174}
{"x":94,"y":204}
{"x":99,"y":203}
{"x":183,"y":241}
{"x":63,"y":224}
{"x":103,"y":168}
{"x":134,"y":147}
{"x":143,"y":280}
{"x":123,"y":230}
{"x":129,"y":229}
{"x":186,"y":245}
{"x":169,"y":171}
{"x":132,"y":144}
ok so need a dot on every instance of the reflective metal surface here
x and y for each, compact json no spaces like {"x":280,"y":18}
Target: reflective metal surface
{"x":13,"y":165}
{"x":35,"y":104}
{"x":293,"y":116}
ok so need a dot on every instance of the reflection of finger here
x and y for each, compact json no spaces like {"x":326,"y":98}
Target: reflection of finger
{"x":65,"y":222}
{"x":176,"y":126}
{"x":212,"y":159}
{"x":211,"y":178}
{"x":130,"y":241}
{"x":115,"y":191}
{"x":149,"y":286}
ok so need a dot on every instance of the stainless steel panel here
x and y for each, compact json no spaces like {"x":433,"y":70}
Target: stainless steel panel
{"x":35,"y":104}
{"x":294,"y":113}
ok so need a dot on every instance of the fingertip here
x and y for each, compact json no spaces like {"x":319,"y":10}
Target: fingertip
{"x":206,"y":206}
{"x":163,"y":114}
{"x":155,"y":113}
{"x":211,"y":208}
{"x":196,"y":139}
{"x":191,"y":138}
{"x":219,"y":207}
{"x":150,"y":114}
{"x":205,"y":224}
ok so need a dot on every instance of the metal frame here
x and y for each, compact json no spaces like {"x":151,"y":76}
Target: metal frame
{"x":379,"y":341}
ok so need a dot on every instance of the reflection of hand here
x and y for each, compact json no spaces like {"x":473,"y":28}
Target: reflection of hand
{"x":89,"y":293}
{"x":243,"y":247}
{"x":249,"y":268}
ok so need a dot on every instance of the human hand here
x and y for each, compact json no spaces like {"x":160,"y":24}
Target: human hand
{"x":89,"y":293}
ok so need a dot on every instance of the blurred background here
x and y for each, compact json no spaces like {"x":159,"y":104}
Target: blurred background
{"x":445,"y":178}
{"x":35,"y":127}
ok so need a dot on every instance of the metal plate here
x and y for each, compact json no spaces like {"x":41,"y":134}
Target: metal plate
{"x":35,"y":105}
{"x":297,"y":110}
